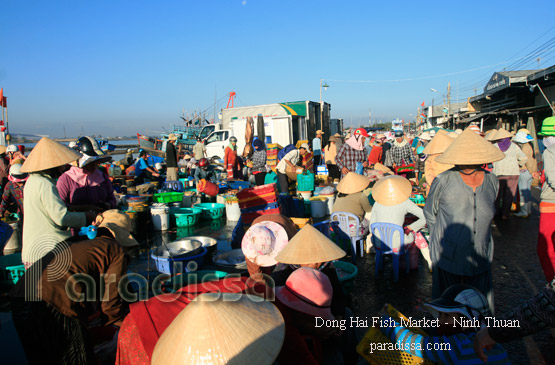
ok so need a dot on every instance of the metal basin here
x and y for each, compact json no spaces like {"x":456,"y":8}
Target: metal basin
{"x":205,"y":240}
{"x":179,"y":249}
{"x":230,"y":261}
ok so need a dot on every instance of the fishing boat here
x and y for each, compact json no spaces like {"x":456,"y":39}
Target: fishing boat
{"x":106,"y":146}
{"x":145,"y":141}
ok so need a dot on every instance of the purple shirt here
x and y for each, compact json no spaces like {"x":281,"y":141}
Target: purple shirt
{"x":88,"y":191}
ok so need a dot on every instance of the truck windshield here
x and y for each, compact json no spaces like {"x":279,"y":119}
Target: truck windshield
{"x":206,"y":131}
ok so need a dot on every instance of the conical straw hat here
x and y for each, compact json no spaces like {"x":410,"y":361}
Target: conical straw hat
{"x":353,"y":183}
{"x":48,"y":154}
{"x":438,"y":144}
{"x":379,"y":167}
{"x":222,"y":328}
{"x":490,"y":134}
{"x":470,"y":149}
{"x":309,"y":246}
{"x":392,"y":190}
{"x":501,"y":134}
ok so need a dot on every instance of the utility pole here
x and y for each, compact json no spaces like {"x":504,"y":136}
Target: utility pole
{"x":449,"y":102}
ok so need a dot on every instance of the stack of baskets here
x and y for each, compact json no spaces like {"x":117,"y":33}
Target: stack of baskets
{"x":257,"y":201}
{"x":272,"y":150}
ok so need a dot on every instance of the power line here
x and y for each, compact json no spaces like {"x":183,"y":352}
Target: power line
{"x":432,"y":76}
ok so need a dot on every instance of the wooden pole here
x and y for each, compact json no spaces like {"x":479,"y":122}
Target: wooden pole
{"x":7,"y":123}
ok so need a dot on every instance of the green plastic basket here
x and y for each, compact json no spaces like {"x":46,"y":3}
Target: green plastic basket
{"x":187,"y":217}
{"x":169,"y":197}
{"x":418,"y":199}
{"x":346,"y":272}
{"x":211,"y":210}
{"x":11,"y":269}
{"x":305,"y":181}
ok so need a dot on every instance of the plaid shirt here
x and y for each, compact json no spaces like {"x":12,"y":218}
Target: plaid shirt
{"x":399,"y":155}
{"x":13,"y":194}
{"x":348,"y":157}
{"x":259,"y":161}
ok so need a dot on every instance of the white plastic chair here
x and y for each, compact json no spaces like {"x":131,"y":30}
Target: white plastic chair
{"x":346,"y":226}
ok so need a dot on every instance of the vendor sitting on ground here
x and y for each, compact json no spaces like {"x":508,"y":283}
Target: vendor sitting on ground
{"x":12,"y":197}
{"x":49,"y":317}
{"x":392,"y":204}
{"x":311,"y":248}
{"x":222,"y":327}
{"x":460,"y":311}
{"x":289,"y":162}
{"x":46,"y":216}
{"x":86,"y":187}
{"x":353,"y":199}
{"x":204,"y":171}
{"x":304,"y":302}
{"x":128,"y":159}
{"x":143,"y":170}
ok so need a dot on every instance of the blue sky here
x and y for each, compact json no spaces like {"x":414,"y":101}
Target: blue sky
{"x":120,"y":66}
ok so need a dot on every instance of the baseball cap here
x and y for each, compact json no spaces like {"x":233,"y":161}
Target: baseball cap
{"x":305,"y":146}
{"x":362,"y":132}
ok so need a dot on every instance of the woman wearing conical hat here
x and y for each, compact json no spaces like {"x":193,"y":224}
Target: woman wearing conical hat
{"x":458,"y":211}
{"x":352,"y":199}
{"x":46,"y":216}
{"x":392,"y":204}
{"x":311,"y":248}
{"x":435,"y":148}
{"x":507,"y":171}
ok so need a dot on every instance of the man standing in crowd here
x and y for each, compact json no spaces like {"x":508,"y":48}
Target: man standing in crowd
{"x":317,"y":147}
{"x":171,"y":158}
{"x":199,"y":149}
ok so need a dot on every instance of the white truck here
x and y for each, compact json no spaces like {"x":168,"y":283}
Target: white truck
{"x":284,"y":123}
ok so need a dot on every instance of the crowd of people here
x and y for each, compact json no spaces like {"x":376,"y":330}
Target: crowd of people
{"x":468,"y":179}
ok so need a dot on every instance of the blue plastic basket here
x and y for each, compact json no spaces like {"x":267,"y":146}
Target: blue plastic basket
{"x":166,"y":264}
{"x":238,"y":184}
{"x":259,"y":208}
{"x":174,"y":186}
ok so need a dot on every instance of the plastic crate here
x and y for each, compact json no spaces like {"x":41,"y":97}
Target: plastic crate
{"x":258,"y":208}
{"x":11,"y":269}
{"x":238,"y":184}
{"x":374,"y":335}
{"x":176,"y":185}
{"x":250,"y":217}
{"x":170,"y":197}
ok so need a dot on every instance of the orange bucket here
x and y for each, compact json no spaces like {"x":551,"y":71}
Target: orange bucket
{"x":208,"y":187}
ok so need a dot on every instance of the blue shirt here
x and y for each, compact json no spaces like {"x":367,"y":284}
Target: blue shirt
{"x":140,"y":166}
{"x":317,"y":146}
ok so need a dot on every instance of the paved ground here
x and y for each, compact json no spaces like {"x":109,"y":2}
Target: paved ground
{"x":517,"y":276}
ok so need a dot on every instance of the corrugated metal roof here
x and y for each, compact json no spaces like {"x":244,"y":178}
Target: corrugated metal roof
{"x":542,"y":73}
{"x":517,"y":74}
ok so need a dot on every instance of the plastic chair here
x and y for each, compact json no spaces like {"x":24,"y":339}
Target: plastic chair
{"x":324,"y":227}
{"x":384,"y":246}
{"x":341,"y":225}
